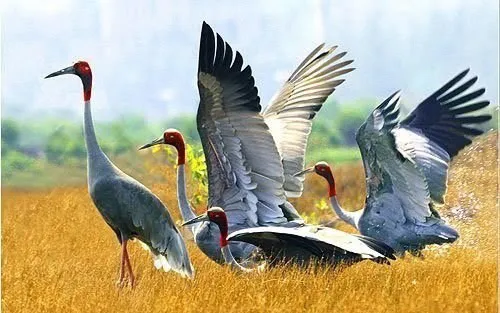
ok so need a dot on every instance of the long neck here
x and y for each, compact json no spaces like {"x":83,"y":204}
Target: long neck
{"x":186,"y":210}
{"x":97,"y":162}
{"x":349,"y":217}
{"x":89,"y":133}
{"x":229,"y":260}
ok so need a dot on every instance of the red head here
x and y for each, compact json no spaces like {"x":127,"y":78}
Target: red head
{"x":174,"y":138}
{"x":82,"y":70}
{"x":215,"y":215}
{"x":323,"y":169}
{"x":218,"y":216}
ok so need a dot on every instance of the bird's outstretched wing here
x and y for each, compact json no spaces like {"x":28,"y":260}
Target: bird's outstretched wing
{"x":312,"y":241}
{"x":289,"y":114}
{"x":411,"y":157}
{"x":127,"y":204}
{"x":244,"y":167}
{"x":439,"y":128}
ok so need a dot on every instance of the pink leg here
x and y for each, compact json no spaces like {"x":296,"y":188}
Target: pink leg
{"x":129,"y":266}
{"x":122,"y":266}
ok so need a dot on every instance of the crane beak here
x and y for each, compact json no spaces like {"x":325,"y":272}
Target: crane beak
{"x":68,"y":70}
{"x":307,"y":170}
{"x":158,"y":141}
{"x":200,"y":218}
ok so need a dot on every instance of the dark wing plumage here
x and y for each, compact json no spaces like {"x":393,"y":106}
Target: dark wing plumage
{"x":412,"y":157}
{"x":289,"y":114}
{"x":445,"y":116}
{"x":245,"y":172}
{"x":133,"y":209}
{"x":439,"y":127}
{"x":309,"y":241}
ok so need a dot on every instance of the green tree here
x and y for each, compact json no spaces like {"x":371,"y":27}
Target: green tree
{"x":349,"y":118}
{"x":10,"y":133}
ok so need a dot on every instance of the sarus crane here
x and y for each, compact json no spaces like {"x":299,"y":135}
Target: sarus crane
{"x":406,"y":166}
{"x":247,"y":175}
{"x":127,"y":206}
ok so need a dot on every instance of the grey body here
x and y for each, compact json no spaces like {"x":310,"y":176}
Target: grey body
{"x":131,"y":209}
{"x":251,"y":156}
{"x":406,"y":165}
{"x":402,"y":235}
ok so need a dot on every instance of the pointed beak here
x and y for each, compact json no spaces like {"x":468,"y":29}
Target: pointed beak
{"x":307,"y":170}
{"x":68,"y":70}
{"x":200,"y":218}
{"x":158,"y":141}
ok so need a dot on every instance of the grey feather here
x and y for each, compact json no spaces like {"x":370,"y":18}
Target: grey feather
{"x":289,"y":114}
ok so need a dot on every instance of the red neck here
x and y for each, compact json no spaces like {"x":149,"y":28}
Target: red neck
{"x":181,"y":152}
{"x":222,"y":223}
{"x":87,"y":94}
{"x":332,"y":192}
{"x":223,"y":238}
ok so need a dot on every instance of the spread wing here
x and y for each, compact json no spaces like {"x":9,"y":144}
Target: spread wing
{"x":439,"y":128}
{"x":290,"y":113}
{"x":411,"y":157}
{"x":310,"y":240}
{"x":244,"y":168}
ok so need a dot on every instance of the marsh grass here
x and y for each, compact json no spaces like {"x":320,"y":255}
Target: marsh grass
{"x":58,"y":255}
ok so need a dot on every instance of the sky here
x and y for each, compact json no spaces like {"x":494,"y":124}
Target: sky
{"x":143,"y":54}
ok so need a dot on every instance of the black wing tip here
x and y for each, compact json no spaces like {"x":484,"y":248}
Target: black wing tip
{"x":206,"y":29}
{"x":461,"y":75}
{"x":389,"y":100}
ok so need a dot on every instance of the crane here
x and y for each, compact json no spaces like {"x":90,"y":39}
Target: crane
{"x":292,"y":240}
{"x":246,"y":172}
{"x":302,"y":244}
{"x":406,"y":166}
{"x":128,"y":207}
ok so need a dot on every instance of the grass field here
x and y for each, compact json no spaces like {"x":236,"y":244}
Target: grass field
{"x":59,"y":256}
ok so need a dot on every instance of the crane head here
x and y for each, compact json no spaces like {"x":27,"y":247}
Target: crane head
{"x":171,"y":137}
{"x":215,"y":215}
{"x":80,"y":69}
{"x":322,"y":169}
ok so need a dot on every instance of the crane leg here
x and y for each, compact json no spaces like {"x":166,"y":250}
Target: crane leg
{"x":122,"y":265}
{"x":129,"y":266}
{"x":125,"y":262}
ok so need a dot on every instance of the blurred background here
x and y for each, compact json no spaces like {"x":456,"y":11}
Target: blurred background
{"x":144,"y":59}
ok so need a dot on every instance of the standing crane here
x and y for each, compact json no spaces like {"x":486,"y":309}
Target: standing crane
{"x":245,"y":169}
{"x":127,"y":206}
{"x":406,"y":166}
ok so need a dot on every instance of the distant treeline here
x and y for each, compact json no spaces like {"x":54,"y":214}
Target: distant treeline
{"x":61,"y":142}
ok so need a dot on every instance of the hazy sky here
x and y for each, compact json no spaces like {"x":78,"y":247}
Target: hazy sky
{"x":144,"y":53}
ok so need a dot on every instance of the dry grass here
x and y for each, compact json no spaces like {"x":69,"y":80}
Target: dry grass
{"x":59,"y":256}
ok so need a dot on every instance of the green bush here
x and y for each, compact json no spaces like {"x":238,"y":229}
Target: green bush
{"x":16,"y":161}
{"x":10,"y":133}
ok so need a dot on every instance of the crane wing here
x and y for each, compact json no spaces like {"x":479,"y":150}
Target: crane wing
{"x":244,"y":168}
{"x":289,"y":114}
{"x":127,"y":204}
{"x":412,"y":156}
{"x":315,"y":240}
{"x":439,"y":128}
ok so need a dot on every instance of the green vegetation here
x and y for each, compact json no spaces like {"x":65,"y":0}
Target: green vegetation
{"x":42,"y":152}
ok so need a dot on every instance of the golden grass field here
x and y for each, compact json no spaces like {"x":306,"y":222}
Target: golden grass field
{"x":58,"y":255}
